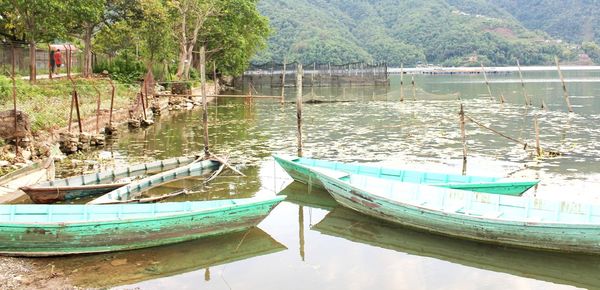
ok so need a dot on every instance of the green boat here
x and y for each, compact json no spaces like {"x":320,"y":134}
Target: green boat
{"x":108,"y":270}
{"x":300,"y":169}
{"x":527,"y":222}
{"x":51,"y":230}
{"x":98,"y":183}
{"x":578,"y":270}
{"x":135,"y":188}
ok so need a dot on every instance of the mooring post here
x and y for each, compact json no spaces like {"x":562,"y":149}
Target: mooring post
{"x":464,"y":138}
{"x":528,"y":102}
{"x":112,"y":102}
{"x":564,"y":85}
{"x":487,"y":83}
{"x":204,"y":100}
{"x":536,"y":126}
{"x":299,"y":73}
{"x":402,"y":82}
{"x":414,"y":88}
{"x":77,"y":110}
{"x":14,"y":94}
{"x":283,"y":72}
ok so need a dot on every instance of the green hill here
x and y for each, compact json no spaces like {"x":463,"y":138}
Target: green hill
{"x":448,"y":32}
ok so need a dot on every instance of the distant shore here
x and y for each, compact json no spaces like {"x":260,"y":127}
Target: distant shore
{"x":476,"y":70}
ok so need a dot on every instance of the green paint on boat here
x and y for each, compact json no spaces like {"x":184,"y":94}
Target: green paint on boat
{"x":508,"y":220}
{"x":301,"y":170}
{"x":48,"y":230}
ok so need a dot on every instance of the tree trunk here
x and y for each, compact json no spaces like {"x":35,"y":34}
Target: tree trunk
{"x":188,"y":64}
{"x":87,"y":53}
{"x":32,"y":70}
{"x":181,"y":64}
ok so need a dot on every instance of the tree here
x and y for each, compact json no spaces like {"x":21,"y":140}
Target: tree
{"x":36,"y":21}
{"x":592,"y":50}
{"x":189,"y":17}
{"x":86,"y":18}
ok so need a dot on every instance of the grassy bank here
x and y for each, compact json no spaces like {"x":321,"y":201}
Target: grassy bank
{"x":48,"y":102}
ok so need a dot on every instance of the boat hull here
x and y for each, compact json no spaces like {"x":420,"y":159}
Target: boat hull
{"x":305,"y":174}
{"x":534,"y":235}
{"x":96,"y":183}
{"x":60,"y":238}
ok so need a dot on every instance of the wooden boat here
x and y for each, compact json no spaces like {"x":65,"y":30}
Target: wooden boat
{"x":108,"y":270}
{"x":50,"y":230}
{"x":36,"y":172}
{"x":97,"y":183}
{"x":578,"y":270}
{"x":300,"y":169}
{"x":135,"y":188}
{"x":508,"y":220}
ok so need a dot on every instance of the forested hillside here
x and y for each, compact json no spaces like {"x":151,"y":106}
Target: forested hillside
{"x":572,"y":20}
{"x":448,"y":32}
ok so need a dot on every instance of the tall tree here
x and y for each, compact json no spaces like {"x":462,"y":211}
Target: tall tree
{"x":34,"y":20}
{"x":190,"y":17}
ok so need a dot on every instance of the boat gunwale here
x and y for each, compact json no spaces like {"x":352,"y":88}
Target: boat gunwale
{"x":169,"y":215}
{"x":462,"y":216}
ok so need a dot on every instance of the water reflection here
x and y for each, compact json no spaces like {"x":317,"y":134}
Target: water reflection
{"x":575,"y":270}
{"x":121,"y":268}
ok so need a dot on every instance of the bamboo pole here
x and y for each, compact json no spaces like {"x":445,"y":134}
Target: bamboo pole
{"x":14,"y":95}
{"x":538,"y":149}
{"x":204,"y":100}
{"x":112,"y":102}
{"x":528,"y":102}
{"x":402,"y":82}
{"x":564,"y":86}
{"x":283,"y":72}
{"x":301,"y":231}
{"x":299,"y":73}
{"x":464,"y":138}
{"x":215,"y":78}
{"x":487,"y":83}
{"x":414,"y":88}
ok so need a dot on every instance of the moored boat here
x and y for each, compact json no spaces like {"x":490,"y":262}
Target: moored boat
{"x":300,"y":169}
{"x":36,"y":172}
{"x":527,"y":222}
{"x":97,"y":183}
{"x":135,"y":188}
{"x":51,"y":230}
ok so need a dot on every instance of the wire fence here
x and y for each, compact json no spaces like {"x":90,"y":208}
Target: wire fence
{"x":72,"y":59}
{"x":318,"y":74}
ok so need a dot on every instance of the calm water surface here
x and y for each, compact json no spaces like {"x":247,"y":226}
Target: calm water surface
{"x":308,"y":242}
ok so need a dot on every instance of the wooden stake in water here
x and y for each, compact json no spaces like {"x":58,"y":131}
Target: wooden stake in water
{"x":204,"y":100}
{"x":463,"y":135}
{"x":414,"y":88}
{"x":299,"y":73}
{"x":283,"y":72}
{"x":487,"y":83}
{"x":402,"y":82}
{"x":528,"y":102}
{"x":538,"y":149}
{"x":564,"y":86}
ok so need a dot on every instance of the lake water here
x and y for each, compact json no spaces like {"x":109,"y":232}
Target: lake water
{"x":308,"y":242}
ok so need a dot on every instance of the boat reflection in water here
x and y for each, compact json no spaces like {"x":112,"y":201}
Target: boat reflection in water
{"x":128,"y":267}
{"x":571,"y":269}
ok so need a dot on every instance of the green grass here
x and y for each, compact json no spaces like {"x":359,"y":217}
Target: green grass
{"x":48,"y":102}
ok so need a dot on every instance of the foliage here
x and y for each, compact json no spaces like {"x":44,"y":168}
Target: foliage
{"x":123,"y":68}
{"x":445,"y":32}
{"x":592,"y":49}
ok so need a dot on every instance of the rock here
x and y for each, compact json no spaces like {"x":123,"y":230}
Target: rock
{"x":111,"y":130}
{"x":98,"y":140}
{"x":26,"y":154}
{"x":147,"y":122}
{"x":134,"y":123}
{"x":189,"y":105}
{"x":4,"y":163}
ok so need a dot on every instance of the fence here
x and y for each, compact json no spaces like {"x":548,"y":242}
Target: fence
{"x":42,"y":59}
{"x":318,"y":75}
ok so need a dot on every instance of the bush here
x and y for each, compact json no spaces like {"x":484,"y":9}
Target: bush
{"x":123,"y":68}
